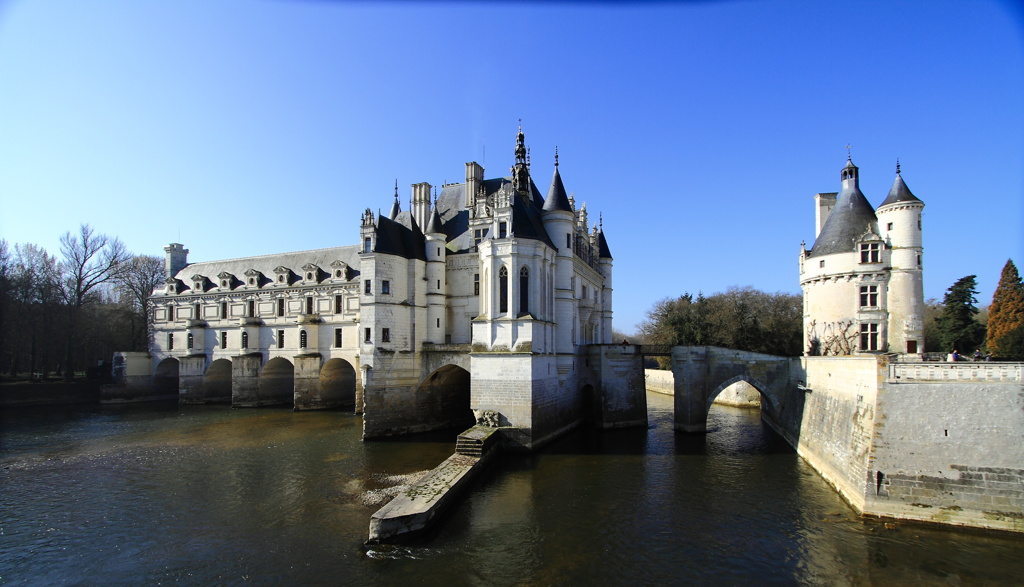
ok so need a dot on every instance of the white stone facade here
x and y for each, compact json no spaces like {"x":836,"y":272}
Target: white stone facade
{"x":490,"y":268}
{"x":862,"y":279}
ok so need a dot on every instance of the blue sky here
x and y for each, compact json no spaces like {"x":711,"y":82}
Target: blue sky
{"x":700,"y":131}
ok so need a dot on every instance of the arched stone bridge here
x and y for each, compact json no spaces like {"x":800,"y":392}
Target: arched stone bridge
{"x":703,"y":372}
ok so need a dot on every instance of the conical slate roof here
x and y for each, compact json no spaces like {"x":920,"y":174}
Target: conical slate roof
{"x":899,"y":193}
{"x":603,"y":252}
{"x":434,"y":224}
{"x":395,"y":210}
{"x":557,"y":200}
{"x":851,"y":218}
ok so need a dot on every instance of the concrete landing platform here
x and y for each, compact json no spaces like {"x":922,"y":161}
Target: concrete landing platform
{"x":412,"y":512}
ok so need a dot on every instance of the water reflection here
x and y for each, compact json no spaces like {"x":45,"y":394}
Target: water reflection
{"x":207,"y":494}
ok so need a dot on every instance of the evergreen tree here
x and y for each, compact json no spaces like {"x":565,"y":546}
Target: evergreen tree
{"x":957,"y":327}
{"x":1006,"y":315}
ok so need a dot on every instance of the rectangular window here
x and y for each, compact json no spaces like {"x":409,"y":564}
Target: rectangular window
{"x":245,"y":340}
{"x":252,"y":309}
{"x":198,"y":312}
{"x":368,"y":287}
{"x":888,"y":226}
{"x":502,"y":229}
{"x":337,"y":338}
{"x":280,"y":306}
{"x":869,"y":337}
{"x":821,"y":263}
{"x":568,"y":241}
{"x":385,"y":287}
{"x":476,"y":284}
{"x":223,"y":340}
{"x":302,"y":339}
{"x":189,"y":339}
{"x":170,"y":313}
{"x":385,"y":335}
{"x":870,"y":252}
{"x":919,"y":222}
{"x":309,"y":304}
{"x":438,"y":285}
{"x":366,"y":244}
{"x":366,"y":334}
{"x":280,"y":339}
{"x":170,"y":341}
{"x":869,"y":296}
{"x":477,"y":237}
{"x":223,"y":310}
{"x":339,"y":304}
{"x":919,"y":260}
{"x":438,"y":322}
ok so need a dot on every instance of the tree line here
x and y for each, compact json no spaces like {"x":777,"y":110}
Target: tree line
{"x":752,"y":320}
{"x":60,"y":315}
{"x":739,"y":318}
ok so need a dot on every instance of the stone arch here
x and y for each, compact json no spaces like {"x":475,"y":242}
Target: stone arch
{"x":768,"y":401}
{"x":217,"y":382}
{"x":588,"y":404}
{"x":338,"y":383}
{"x":276,"y":383}
{"x":165,"y":379}
{"x":443,"y":399}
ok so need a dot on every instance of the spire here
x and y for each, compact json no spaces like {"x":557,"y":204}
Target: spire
{"x":899,"y":191}
{"x":521,"y":170}
{"x":395,"y":207}
{"x":557,"y":200}
{"x":434,"y":224}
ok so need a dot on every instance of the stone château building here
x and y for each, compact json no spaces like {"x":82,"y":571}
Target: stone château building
{"x":484,"y":299}
{"x":862,"y":278}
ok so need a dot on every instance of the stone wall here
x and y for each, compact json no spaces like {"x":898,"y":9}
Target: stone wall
{"x":950,"y":453}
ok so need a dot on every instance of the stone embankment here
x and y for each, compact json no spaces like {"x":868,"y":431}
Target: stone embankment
{"x":413,"y":511}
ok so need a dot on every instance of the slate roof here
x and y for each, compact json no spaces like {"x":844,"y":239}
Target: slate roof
{"x":557,"y":200}
{"x":899,"y":193}
{"x":267,"y":263}
{"x":395,"y":238}
{"x":851,"y":217}
{"x":434,"y":224}
{"x":603,"y":252}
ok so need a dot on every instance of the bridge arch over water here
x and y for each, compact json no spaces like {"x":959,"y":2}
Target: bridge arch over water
{"x":702,"y":373}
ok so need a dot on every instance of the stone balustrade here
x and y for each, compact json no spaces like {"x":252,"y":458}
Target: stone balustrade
{"x":967,"y":371}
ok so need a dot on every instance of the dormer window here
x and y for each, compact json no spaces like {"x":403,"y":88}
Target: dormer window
{"x":254,"y":278}
{"x":227,"y":280}
{"x":311,"y":272}
{"x":283,"y":275}
{"x":340,"y":269}
{"x":502,"y":229}
{"x":200,"y":282}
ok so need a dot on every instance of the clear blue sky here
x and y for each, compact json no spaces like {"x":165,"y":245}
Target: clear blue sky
{"x":701,"y":131}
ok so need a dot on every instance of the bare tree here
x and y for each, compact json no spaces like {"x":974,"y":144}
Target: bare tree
{"x":135,"y":283}
{"x":89,"y":260}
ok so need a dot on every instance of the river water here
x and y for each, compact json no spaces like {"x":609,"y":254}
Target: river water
{"x":211,"y":495}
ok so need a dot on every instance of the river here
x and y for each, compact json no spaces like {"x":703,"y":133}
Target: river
{"x":214,"y":495}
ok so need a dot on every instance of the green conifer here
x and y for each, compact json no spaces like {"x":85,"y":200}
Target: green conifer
{"x":957,"y":327}
{"x":1006,"y":315}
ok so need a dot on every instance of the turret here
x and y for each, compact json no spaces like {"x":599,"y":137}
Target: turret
{"x":559,"y":222}
{"x":899,"y":218}
{"x":437,"y":286}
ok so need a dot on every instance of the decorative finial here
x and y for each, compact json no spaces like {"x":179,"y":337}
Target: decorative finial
{"x":848,"y":152}
{"x":527,"y":157}
{"x":520,"y":125}
{"x":600,"y":220}
{"x":556,"y":155}
{"x":897,"y":166}
{"x":396,"y":188}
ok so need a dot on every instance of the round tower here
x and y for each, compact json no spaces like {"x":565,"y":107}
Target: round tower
{"x":437,"y":286}
{"x":899,"y":220}
{"x":559,"y":219}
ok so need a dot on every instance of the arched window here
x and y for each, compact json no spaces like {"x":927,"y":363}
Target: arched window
{"x":302,"y":339}
{"x":245,"y":340}
{"x":189,"y":340}
{"x":503,"y":290}
{"x":524,"y":290}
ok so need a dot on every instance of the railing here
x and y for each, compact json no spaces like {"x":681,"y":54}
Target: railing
{"x":956,"y":372}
